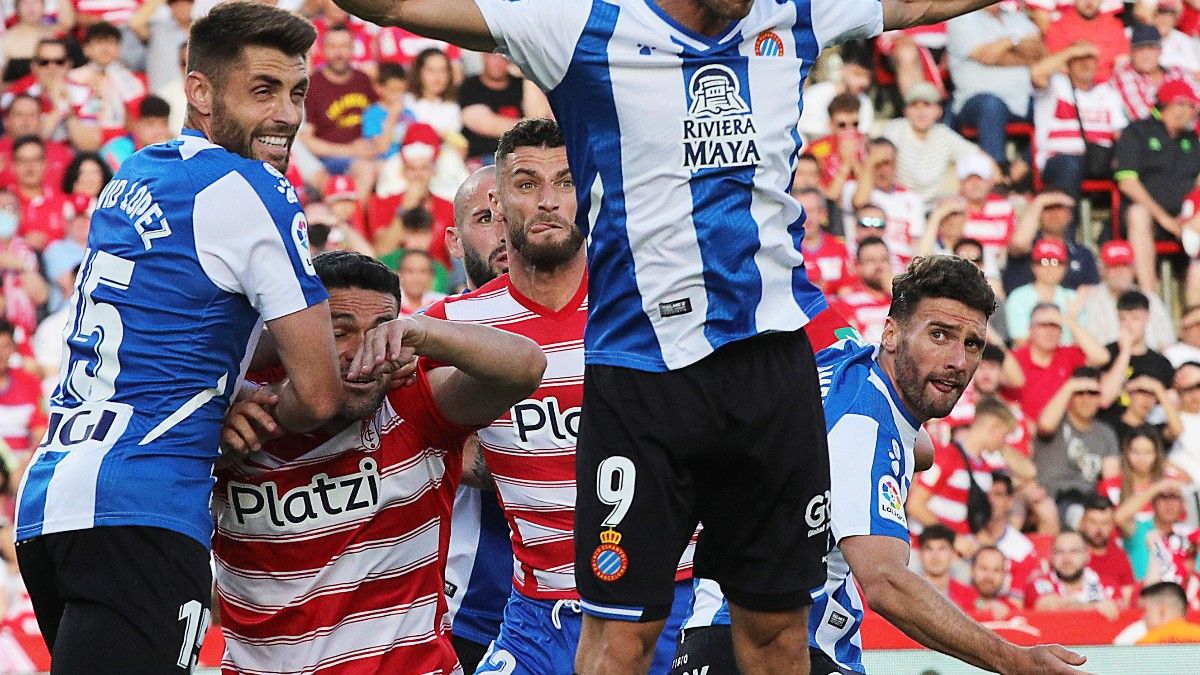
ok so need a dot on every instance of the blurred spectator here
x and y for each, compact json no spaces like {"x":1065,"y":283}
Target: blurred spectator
{"x":990,"y":217}
{"x":808,"y":175}
{"x":1143,"y":463}
{"x":866,"y":300}
{"x":1162,"y":547}
{"x":163,"y":33}
{"x":1106,"y":557}
{"x":843,"y":149}
{"x":21,"y":38}
{"x":1130,"y":356}
{"x":23,"y":117}
{"x":1070,"y":584}
{"x":362,"y":47}
{"x":48,"y":84}
{"x":337,"y":97}
{"x":103,"y":91}
{"x":935,"y":549}
{"x":1048,"y":262}
{"x":940,"y":494}
{"x":419,"y":154}
{"x":152,"y":125}
{"x":1145,"y":395}
{"x":1088,"y":23}
{"x":944,"y":227}
{"x":21,"y":284}
{"x":1100,"y":302}
{"x":415,"y":232}
{"x":1044,"y":12}
{"x":825,"y":256}
{"x":1188,"y":347}
{"x":1071,"y":108}
{"x":1178,"y":49}
{"x":1185,"y":454}
{"x":401,"y":47}
{"x":989,"y":590}
{"x":854,"y":78}
{"x":341,"y":198}
{"x":86,"y":176}
{"x":386,"y":120}
{"x":47,"y":341}
{"x":1018,"y":550}
{"x":22,"y":419}
{"x":1048,"y":217}
{"x":1158,"y":159}
{"x":1164,"y":606}
{"x":44,"y":208}
{"x":1138,"y":80}
{"x":63,"y":257}
{"x":1073,"y":449}
{"x":876,"y":183}
{"x":925,"y":148}
{"x":432,"y":94}
{"x":416,"y":282}
{"x":997,"y":369}
{"x":1046,"y":361}
{"x":329,"y":231}
{"x":493,"y":102}
{"x":991,"y":51}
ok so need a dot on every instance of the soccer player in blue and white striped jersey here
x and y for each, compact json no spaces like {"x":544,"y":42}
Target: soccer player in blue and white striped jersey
{"x":876,"y":399}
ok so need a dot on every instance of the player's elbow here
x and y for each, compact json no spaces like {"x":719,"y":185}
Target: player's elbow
{"x":529,"y":367}
{"x":321,"y":403}
{"x":883,"y":589}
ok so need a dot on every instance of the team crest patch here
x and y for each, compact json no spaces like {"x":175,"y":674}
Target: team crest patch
{"x":609,"y":561}
{"x":768,"y":44}
{"x":891,"y":505}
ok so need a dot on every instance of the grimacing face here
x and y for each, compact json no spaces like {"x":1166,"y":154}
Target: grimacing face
{"x":936,"y":352}
{"x":535,"y":196}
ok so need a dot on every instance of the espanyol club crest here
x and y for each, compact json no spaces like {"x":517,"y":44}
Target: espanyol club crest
{"x":768,"y":44}
{"x":609,"y":561}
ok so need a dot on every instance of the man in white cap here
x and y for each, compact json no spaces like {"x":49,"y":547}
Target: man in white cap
{"x":990,"y":218}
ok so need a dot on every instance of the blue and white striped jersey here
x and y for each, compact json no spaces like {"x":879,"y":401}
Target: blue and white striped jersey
{"x":871,"y":438}
{"x":690,"y":141}
{"x":191,"y":249}
{"x":479,"y":569}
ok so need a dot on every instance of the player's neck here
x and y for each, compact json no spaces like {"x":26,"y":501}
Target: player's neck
{"x":694,"y":16}
{"x":551,"y":289}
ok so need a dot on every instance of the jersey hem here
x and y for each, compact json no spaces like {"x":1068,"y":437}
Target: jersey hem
{"x":118,"y":520}
{"x":476,"y":636}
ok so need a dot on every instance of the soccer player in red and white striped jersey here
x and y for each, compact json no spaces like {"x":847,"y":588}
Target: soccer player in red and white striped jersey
{"x":330,"y":546}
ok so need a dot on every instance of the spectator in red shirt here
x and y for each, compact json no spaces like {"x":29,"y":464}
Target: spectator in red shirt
{"x":1087,"y":23}
{"x":1047,"y":364}
{"x":935,"y":549}
{"x":989,"y":593}
{"x":103,"y":91}
{"x":419,"y":154}
{"x":86,"y":176}
{"x":22,"y":420}
{"x":866,"y":301}
{"x":48,"y":84}
{"x":1071,"y":584}
{"x":990,"y":217}
{"x":23,"y":117}
{"x":44,"y":209}
{"x":825,"y":256}
{"x":1107,"y":558}
{"x":843,"y":148}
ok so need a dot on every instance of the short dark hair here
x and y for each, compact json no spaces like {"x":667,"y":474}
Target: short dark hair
{"x":154,"y":107}
{"x":71,"y":174}
{"x":869,"y":241}
{"x":218,"y":39}
{"x":531,"y":133}
{"x":799,"y":158}
{"x":349,"y":269}
{"x":1094,"y":501}
{"x":941,"y":276}
{"x":1132,"y":299}
{"x":881,"y":142}
{"x":844,"y":102}
{"x":417,"y":219}
{"x":859,"y":53}
{"x":967,"y":241}
{"x":993,"y":353}
{"x":933,"y":533}
{"x":388,"y":70}
{"x":7,"y":328}
{"x":1086,"y":371}
{"x":1168,"y":591}
{"x":1003,"y":477}
{"x":28,"y":139}
{"x":811,"y":192}
{"x":101,"y":30}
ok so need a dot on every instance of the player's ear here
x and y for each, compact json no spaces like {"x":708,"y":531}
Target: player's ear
{"x":494,"y":200}
{"x":890,"y":334}
{"x":199,"y":91}
{"x":453,"y":242}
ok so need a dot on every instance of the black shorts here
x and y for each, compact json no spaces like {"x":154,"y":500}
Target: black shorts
{"x":120,"y":600}
{"x":705,"y":650}
{"x":736,"y":441}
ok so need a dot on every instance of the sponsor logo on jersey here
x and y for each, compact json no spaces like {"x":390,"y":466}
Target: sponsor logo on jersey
{"x":768,"y":44}
{"x":816,"y":514}
{"x":838,"y":620}
{"x":533,"y":415}
{"x":718,"y":130}
{"x":891,"y":504}
{"x":609,"y":560}
{"x":322,"y":497}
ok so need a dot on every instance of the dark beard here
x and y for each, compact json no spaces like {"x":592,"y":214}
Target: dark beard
{"x":1069,"y":579}
{"x":227,"y":134}
{"x":480,"y":271}
{"x":911,"y":384}
{"x":546,"y":257}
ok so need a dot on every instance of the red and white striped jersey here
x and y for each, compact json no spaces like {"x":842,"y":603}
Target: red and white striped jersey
{"x":864,"y":308}
{"x":1056,"y":127}
{"x":530,"y":450}
{"x":330,"y":550}
{"x":948,"y":484}
{"x":1091,"y":588}
{"x":1138,"y":91}
{"x":991,"y":225}
{"x":904,"y":212}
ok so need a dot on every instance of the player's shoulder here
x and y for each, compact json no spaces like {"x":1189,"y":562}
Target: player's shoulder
{"x":489,"y":302}
{"x":214,"y":169}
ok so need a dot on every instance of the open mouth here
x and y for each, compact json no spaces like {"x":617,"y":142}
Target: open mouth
{"x":946,"y":386}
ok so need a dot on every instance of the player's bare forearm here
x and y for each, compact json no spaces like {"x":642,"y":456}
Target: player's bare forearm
{"x":456,"y":21}
{"x":898,"y":14}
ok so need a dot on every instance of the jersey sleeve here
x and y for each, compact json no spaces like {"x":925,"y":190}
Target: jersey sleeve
{"x":252,"y":239}
{"x":865,"y":496}
{"x":837,"y":21}
{"x":538,"y":35}
{"x":420,"y":409}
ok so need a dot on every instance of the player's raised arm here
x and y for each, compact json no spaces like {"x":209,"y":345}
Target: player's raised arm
{"x":456,"y":21}
{"x":898,"y":14}
{"x":312,"y":393}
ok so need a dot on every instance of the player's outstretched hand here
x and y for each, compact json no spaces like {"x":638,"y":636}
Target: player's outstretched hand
{"x":249,"y":423}
{"x":389,"y":349}
{"x":1045,"y":660}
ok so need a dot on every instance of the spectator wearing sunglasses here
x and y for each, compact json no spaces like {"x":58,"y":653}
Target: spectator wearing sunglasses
{"x":1048,"y":261}
{"x":1048,"y":216}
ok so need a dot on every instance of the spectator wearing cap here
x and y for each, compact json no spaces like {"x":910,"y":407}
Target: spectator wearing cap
{"x":152,"y":125}
{"x":1164,"y":609}
{"x":844,"y":148}
{"x":1069,"y":107}
{"x":1138,"y":80}
{"x":1047,"y":362}
{"x":338,"y":95}
{"x":991,"y":219}
{"x":1048,"y":218}
{"x":103,"y":91}
{"x":991,"y":51}
{"x":1105,"y":555}
{"x":855,"y":79}
{"x":1185,"y":453}
{"x":1162,"y":547}
{"x":825,"y":256}
{"x":866,"y":300}
{"x":24,"y":117}
{"x":925,"y":148}
{"x":1130,"y":355}
{"x":1048,"y":261}
{"x":1178,"y":48}
{"x":1100,"y":301}
{"x":1188,"y":347}
{"x":418,"y":154}
{"x":341,"y":197}
{"x":1088,"y":23}
{"x":1070,"y":584}
{"x":876,"y":183}
{"x":1158,"y":161}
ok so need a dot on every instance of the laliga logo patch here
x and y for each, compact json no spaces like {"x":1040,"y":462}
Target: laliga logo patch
{"x":300,"y":239}
{"x":719,"y":129}
{"x":891,"y":505}
{"x":768,"y":44}
{"x":609,"y":561}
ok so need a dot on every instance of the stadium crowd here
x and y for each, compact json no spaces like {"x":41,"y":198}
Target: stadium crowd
{"x":1052,"y":143}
